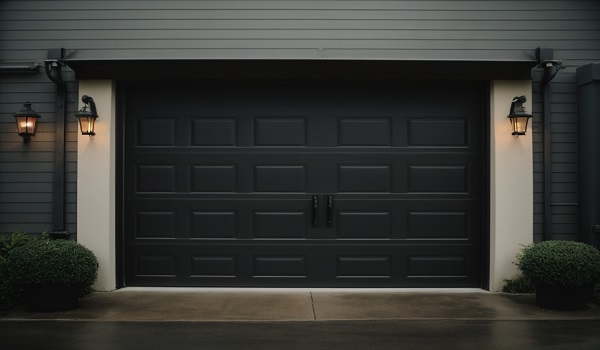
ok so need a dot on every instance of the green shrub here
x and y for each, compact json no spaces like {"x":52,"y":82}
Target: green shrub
{"x":10,"y":294}
{"x":8,"y":243}
{"x":52,"y":261}
{"x":561,"y":263}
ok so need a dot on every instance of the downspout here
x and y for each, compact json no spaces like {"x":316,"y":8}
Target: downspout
{"x":545,"y":57}
{"x":54,"y":72}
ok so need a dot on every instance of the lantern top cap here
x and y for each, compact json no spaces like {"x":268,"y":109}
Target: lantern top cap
{"x":27,"y":111}
{"x":516,"y":108}
{"x":85,"y":113}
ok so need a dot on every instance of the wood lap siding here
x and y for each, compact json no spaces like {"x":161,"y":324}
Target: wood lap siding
{"x":26,"y":170}
{"x":302,"y":29}
{"x":378,"y":30}
{"x":564,"y":166}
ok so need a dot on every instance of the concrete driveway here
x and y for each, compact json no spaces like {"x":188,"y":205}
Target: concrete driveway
{"x":134,"y":318}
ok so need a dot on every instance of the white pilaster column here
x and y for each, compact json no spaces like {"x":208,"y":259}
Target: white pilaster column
{"x":511,"y":182}
{"x":96,"y":182}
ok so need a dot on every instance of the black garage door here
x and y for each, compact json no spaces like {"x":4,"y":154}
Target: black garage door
{"x":296,"y":183}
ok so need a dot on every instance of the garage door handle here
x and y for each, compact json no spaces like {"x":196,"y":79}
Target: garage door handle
{"x":315,"y":211}
{"x":329,"y":211}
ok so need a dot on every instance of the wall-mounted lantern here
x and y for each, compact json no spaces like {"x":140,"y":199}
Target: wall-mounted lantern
{"x":87,"y":116}
{"x":519,"y":118}
{"x":26,"y":121}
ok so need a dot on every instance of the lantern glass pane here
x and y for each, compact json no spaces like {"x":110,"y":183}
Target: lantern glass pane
{"x":519,"y":125}
{"x":26,"y":125}
{"x":87,"y":125}
{"x":91,"y":122}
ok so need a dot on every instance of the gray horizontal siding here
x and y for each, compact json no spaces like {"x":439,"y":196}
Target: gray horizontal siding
{"x":298,"y":4}
{"x":564,"y":162}
{"x":348,"y":13}
{"x":11,"y":23}
{"x":481,"y":30}
{"x":27,"y":169}
{"x":391,"y":30}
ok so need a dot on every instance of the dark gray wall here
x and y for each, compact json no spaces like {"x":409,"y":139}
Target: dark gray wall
{"x":563,"y":160}
{"x":26,"y":169}
{"x":390,"y":30}
{"x":301,"y":29}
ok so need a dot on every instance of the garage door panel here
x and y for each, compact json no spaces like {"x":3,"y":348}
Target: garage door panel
{"x":290,"y":131}
{"x":214,"y":178}
{"x":280,"y":266}
{"x":155,"y":132}
{"x":451,"y":224}
{"x":293,"y":131}
{"x":155,"y":224}
{"x":236,"y":218}
{"x":219,"y":180}
{"x":405,"y":218}
{"x":364,"y":266}
{"x":213,"y":266}
{"x":375,"y":132}
{"x":148,"y":265}
{"x":280,"y":224}
{"x":155,"y":178}
{"x":239,"y":217}
{"x":364,"y":224}
{"x":438,"y":178}
{"x":364,"y":178}
{"x":214,"y":224}
{"x":280,"y":178}
{"x":437,"y":132}
{"x":438,"y":266}
{"x":307,"y":173}
{"x":328,"y":265}
{"x":213,"y":132}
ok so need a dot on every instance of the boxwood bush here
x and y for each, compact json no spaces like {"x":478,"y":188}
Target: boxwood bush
{"x":52,"y":261}
{"x":560,"y":263}
{"x":9,"y":293}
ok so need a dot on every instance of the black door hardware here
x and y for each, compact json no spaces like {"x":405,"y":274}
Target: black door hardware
{"x":315,"y":211}
{"x":329,"y":212}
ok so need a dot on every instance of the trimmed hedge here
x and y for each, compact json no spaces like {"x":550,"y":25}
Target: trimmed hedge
{"x":26,"y":260}
{"x":53,"y":261}
{"x":560,"y":263}
{"x":10,"y":295}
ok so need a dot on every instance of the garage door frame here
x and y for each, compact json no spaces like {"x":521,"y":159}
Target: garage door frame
{"x":484,"y":185}
{"x":510,"y":159}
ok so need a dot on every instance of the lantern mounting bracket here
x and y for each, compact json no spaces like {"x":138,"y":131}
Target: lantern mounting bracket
{"x":88,"y":100}
{"x":517,"y":102}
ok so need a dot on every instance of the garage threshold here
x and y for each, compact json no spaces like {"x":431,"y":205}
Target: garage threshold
{"x":300,"y":290}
